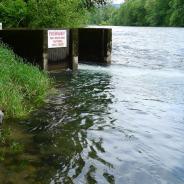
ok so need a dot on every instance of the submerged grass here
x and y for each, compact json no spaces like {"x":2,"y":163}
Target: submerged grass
{"x":22,"y":86}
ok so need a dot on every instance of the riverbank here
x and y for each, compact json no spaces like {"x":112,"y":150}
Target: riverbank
{"x":23,"y":87}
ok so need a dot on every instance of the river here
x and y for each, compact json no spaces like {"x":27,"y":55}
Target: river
{"x":120,"y":124}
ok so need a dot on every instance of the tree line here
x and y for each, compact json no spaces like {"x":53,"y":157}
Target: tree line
{"x":46,"y":13}
{"x":142,"y":13}
{"x":75,"y":13}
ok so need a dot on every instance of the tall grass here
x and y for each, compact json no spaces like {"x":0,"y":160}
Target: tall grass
{"x":22,"y":86}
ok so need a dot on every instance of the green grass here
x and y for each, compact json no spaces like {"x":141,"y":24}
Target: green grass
{"x":23,"y":87}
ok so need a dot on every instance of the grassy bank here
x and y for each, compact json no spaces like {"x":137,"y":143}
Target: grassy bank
{"x":22,"y":86}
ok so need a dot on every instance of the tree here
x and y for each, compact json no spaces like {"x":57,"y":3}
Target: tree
{"x":177,"y":13}
{"x":102,"y":15}
{"x":13,"y":13}
{"x":45,"y":13}
{"x":151,"y":13}
{"x":132,"y":12}
{"x":94,"y":3}
{"x":55,"y":13}
{"x":157,"y":12}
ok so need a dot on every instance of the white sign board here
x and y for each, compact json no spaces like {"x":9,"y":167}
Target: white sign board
{"x":1,"y":26}
{"x":57,"y":38}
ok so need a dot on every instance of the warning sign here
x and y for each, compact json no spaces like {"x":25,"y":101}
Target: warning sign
{"x":57,"y":38}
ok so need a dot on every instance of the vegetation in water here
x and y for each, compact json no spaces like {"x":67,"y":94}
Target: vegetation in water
{"x":8,"y":145}
{"x":142,"y":13}
{"x":22,"y":86}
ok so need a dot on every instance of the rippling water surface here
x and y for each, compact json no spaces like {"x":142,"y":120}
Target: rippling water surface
{"x":119,"y":124}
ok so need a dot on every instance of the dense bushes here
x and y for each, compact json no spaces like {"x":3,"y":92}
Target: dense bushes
{"x":74,"y":13}
{"x":150,"y":13}
{"x":22,"y":86}
{"x":102,"y":15}
{"x":39,"y":13}
{"x":141,"y":13}
{"x":45,"y":13}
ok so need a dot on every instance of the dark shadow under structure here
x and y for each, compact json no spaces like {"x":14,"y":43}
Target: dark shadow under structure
{"x":95,"y":45}
{"x":83,"y":45}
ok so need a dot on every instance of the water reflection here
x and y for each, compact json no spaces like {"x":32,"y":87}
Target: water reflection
{"x":67,"y":151}
{"x":119,"y":124}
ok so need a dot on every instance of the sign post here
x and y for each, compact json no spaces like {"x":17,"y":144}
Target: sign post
{"x":57,"y":38}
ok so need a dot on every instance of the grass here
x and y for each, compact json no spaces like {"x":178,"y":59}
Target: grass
{"x":8,"y":145}
{"x":23,"y":87}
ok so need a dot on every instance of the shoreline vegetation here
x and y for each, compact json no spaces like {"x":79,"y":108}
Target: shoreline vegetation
{"x":47,"y":13}
{"x":79,"y":13}
{"x":151,"y":13}
{"x":23,"y":88}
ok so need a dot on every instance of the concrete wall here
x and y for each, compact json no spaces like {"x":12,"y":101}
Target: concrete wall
{"x":32,"y":45}
{"x":74,"y":49}
{"x":95,"y":45}
{"x":28,"y":44}
{"x":59,"y":58}
{"x":85,"y":45}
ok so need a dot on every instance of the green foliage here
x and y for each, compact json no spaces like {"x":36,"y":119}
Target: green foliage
{"x":4,"y":136}
{"x":41,"y":13}
{"x":16,"y":147}
{"x":131,"y":13}
{"x":177,"y":13}
{"x":102,"y":15}
{"x":55,"y":13}
{"x":22,"y":86}
{"x":8,"y":145}
{"x":93,"y":3}
{"x":157,"y":12}
{"x":45,"y":13}
{"x":151,"y":13}
{"x":13,"y":13}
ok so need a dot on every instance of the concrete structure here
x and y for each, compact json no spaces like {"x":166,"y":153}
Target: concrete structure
{"x":95,"y":45}
{"x":82,"y":45}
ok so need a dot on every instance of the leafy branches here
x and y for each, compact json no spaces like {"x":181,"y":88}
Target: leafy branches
{"x":46,"y":13}
{"x":151,"y":13}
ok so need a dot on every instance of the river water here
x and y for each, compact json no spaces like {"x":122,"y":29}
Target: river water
{"x":119,"y":124}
